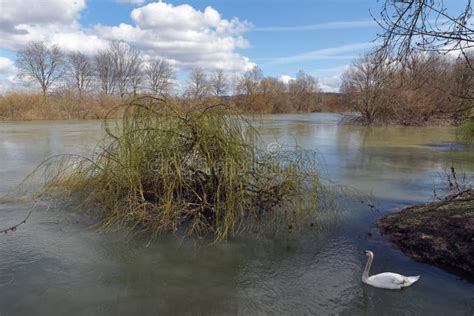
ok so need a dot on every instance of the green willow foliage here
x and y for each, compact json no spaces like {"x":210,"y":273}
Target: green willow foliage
{"x":198,"y":171}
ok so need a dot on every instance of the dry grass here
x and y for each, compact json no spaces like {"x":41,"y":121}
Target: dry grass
{"x":23,"y":106}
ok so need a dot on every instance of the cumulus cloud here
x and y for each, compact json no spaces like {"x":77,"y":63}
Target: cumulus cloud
{"x":187,"y":37}
{"x":8,"y":78}
{"x":6,"y":65}
{"x":286,"y":79}
{"x":23,"y":21}
{"x":330,"y":84}
{"x":20,"y":12}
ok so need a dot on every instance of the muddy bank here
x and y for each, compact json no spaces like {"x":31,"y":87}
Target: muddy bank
{"x":439,"y":233}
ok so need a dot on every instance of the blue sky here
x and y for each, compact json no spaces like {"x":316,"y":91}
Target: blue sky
{"x":321,"y":37}
{"x":283,"y":29}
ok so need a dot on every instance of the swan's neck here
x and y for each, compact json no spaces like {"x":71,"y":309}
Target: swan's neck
{"x":365,"y":275}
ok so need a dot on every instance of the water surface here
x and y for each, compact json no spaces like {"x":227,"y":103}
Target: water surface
{"x":57,"y":264}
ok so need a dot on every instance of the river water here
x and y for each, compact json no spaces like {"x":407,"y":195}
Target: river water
{"x":58,"y":264}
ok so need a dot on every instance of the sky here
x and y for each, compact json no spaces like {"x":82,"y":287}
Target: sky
{"x":322,"y":37}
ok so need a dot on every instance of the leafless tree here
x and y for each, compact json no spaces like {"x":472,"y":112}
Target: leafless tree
{"x":126,"y":61}
{"x":249,"y":91}
{"x":105,"y":71}
{"x":249,"y":84}
{"x":425,"y":25}
{"x":275,"y":97}
{"x":218,"y":82}
{"x":81,"y":71}
{"x":303,"y":91}
{"x":197,"y":85}
{"x":136,"y":73}
{"x":41,"y":63}
{"x":463,"y":87}
{"x":367,"y":82}
{"x":160,"y":75}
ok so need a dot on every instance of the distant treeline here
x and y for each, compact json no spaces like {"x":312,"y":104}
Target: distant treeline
{"x":78,"y":86}
{"x":426,"y":88}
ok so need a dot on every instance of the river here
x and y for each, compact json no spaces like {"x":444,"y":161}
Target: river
{"x":58,"y":264}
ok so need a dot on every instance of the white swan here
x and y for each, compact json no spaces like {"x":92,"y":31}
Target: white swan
{"x":386,"y":280}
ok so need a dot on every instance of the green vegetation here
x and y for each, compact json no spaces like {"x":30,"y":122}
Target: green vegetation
{"x":198,"y":171}
{"x":466,"y":130}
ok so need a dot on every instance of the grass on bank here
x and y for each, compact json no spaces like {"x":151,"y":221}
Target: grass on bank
{"x":466,"y":129}
{"x":198,"y":171}
{"x":65,"y":105}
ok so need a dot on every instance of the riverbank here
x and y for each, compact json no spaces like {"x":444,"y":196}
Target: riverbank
{"x":439,"y":233}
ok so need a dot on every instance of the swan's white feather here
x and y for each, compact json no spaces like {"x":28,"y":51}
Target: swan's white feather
{"x":390,"y":280}
{"x":386,"y":280}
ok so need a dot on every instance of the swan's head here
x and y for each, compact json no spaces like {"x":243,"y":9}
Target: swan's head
{"x":369,"y":253}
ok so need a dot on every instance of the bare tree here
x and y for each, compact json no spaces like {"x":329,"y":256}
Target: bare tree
{"x":81,"y":71}
{"x":249,"y":84}
{"x":463,"y":87}
{"x":136,"y":72}
{"x":367,"y":82}
{"x":105,"y":71}
{"x":274,"y":95}
{"x":303,"y":91}
{"x":218,"y":82}
{"x":249,"y":91}
{"x":160,"y":75}
{"x":126,"y":61}
{"x":197,"y":85}
{"x":425,"y":25}
{"x":41,"y":63}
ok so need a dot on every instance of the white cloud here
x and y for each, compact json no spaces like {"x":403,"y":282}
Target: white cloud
{"x":11,"y":82}
{"x":184,"y":35}
{"x":331,"y":53}
{"x":6,"y":65}
{"x":286,"y":79}
{"x":320,"y":26}
{"x":330,"y":84}
{"x":20,"y":12}
{"x":23,"y":21}
{"x":187,"y":37}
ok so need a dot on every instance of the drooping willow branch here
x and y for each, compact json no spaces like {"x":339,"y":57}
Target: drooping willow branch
{"x":42,"y":170}
{"x":14,"y":227}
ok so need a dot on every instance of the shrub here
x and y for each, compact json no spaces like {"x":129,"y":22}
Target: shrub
{"x":167,"y":168}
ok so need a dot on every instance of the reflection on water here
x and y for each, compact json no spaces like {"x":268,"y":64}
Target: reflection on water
{"x":56,"y":264}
